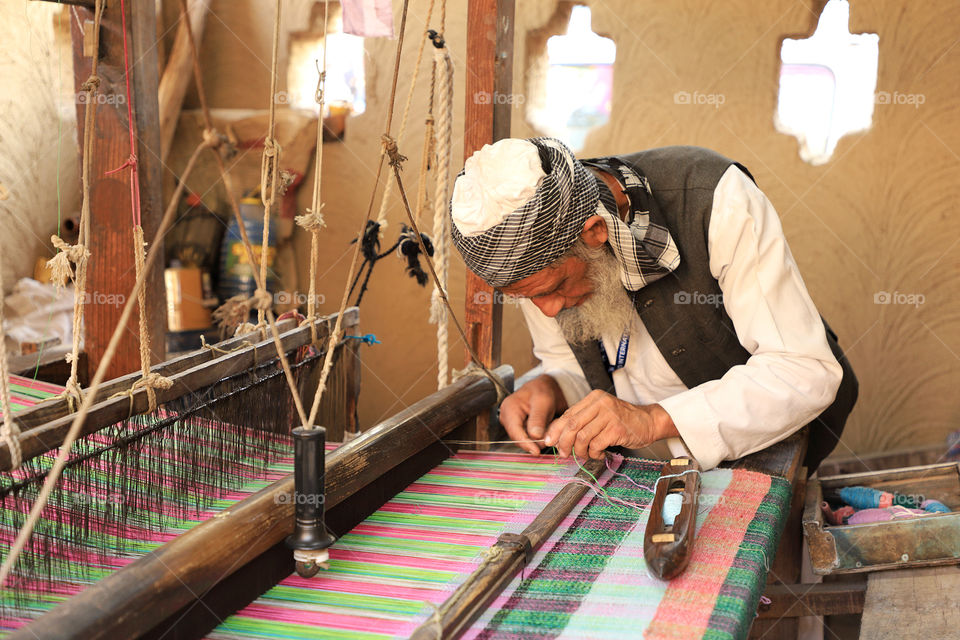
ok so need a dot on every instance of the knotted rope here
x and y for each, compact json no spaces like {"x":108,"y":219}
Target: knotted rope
{"x":312,"y":221}
{"x":149,"y":381}
{"x":61,"y":264}
{"x":335,"y":334}
{"x":388,"y":188}
{"x":269,"y":167}
{"x":235,"y":207}
{"x":87,"y":401}
{"x":443,"y":131}
{"x":78,"y":254}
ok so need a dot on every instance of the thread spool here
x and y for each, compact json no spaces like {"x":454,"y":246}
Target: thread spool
{"x":672,"y":504}
{"x":934,"y":506}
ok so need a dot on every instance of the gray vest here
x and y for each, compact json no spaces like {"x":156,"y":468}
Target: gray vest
{"x":683,"y":311}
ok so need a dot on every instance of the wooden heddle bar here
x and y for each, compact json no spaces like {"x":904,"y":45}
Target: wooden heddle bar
{"x":44,"y":427}
{"x":147,"y":592}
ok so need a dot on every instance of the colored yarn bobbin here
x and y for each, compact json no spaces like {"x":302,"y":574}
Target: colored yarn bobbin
{"x":671,"y":508}
{"x":934,"y":506}
{"x":865,"y":497}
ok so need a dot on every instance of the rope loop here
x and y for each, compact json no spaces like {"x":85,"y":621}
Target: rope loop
{"x":392,"y":151}
{"x":269,"y":170}
{"x":436,"y":38}
{"x":318,"y":94}
{"x":91,"y":84}
{"x":312,"y":220}
{"x":60,"y":264}
{"x":72,"y":392}
{"x":131,"y":163}
{"x":473,"y":369}
{"x":261,"y":300}
{"x":212,"y":138}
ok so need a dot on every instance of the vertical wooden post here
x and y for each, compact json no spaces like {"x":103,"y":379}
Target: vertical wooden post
{"x":111,"y":276}
{"x":489,"y":78}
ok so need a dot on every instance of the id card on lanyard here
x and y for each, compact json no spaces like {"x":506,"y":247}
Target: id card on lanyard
{"x":621,"y":354}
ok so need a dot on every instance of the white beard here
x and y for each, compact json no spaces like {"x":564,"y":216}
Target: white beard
{"x":609,"y":311}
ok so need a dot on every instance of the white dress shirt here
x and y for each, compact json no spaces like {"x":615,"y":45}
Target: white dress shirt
{"x":791,"y":375}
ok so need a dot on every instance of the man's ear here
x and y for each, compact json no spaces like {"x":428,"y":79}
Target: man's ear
{"x":594,"y":232}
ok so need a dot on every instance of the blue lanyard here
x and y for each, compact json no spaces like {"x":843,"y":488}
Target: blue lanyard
{"x":621,"y":354}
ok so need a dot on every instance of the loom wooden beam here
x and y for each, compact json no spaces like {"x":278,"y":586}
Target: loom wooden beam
{"x":509,"y":555}
{"x":178,"y":73}
{"x":188,"y":373}
{"x":489,"y":73}
{"x":110,"y":276}
{"x":821,"y":599}
{"x":145,"y":593}
{"x":90,"y":4}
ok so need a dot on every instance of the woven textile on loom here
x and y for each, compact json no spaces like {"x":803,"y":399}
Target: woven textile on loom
{"x":389,"y":574}
{"x":82,"y":537}
{"x":25,"y":392}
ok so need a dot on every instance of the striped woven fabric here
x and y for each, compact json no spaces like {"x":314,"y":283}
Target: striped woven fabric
{"x":589,"y":580}
{"x":388,"y":575}
{"x":25,"y":392}
{"x":159,"y":506}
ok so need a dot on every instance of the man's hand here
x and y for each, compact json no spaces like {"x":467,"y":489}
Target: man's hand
{"x":526,"y":412}
{"x":601,"y":420}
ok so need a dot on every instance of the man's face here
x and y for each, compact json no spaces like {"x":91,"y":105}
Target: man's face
{"x":561,"y":286}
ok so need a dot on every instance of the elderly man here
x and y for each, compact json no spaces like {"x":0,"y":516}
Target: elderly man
{"x":662,"y":300}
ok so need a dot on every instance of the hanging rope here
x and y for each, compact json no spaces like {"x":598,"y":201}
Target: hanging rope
{"x":443,"y":70}
{"x":9,"y":432}
{"x":80,"y":418}
{"x":269,"y":165}
{"x":388,"y":188}
{"x":337,"y":327}
{"x":396,"y":162}
{"x":149,"y":381}
{"x":313,"y":220}
{"x":78,"y":254}
{"x":215,"y":142}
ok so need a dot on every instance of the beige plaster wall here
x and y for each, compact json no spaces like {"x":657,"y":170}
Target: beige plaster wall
{"x":880,"y":216}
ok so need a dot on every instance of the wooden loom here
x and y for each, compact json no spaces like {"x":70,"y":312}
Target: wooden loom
{"x":158,"y":594}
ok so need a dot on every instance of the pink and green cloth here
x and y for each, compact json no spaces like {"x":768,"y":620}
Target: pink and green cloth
{"x":389,"y":574}
{"x":25,"y":392}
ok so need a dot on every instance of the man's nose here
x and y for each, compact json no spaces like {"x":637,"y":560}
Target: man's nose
{"x":549,"y":305}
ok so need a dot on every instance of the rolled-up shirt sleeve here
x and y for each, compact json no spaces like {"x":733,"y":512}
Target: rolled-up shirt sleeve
{"x":791,"y":375}
{"x":554,"y":353}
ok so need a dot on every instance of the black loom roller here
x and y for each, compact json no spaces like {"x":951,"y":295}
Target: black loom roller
{"x":666,"y":548}
{"x":310,"y":538}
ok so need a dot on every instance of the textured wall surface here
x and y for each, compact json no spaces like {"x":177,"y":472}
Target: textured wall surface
{"x":37,"y":135}
{"x":881,"y":216}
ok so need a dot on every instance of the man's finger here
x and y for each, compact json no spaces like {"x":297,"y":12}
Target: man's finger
{"x":512,"y":417}
{"x":573,"y":423}
{"x":541,"y":411}
{"x":599,"y":445}
{"x":576,"y":442}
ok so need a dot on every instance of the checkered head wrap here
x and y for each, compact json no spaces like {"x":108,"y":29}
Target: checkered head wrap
{"x":524,"y":239}
{"x":518,"y":205}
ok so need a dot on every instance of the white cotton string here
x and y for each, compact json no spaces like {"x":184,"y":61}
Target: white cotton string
{"x":443,"y":129}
